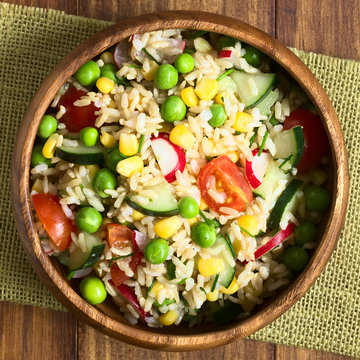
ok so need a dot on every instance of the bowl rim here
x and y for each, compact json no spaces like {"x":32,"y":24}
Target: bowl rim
{"x":20,"y":170}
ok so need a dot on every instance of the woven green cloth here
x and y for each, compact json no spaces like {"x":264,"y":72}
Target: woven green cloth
{"x":33,"y":41}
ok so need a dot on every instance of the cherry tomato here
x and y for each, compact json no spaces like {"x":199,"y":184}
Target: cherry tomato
{"x":76,"y":117}
{"x":55,"y":222}
{"x":223,"y":179}
{"x":316,"y":143}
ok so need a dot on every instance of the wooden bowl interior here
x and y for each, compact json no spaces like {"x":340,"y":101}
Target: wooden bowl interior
{"x":106,"y":317}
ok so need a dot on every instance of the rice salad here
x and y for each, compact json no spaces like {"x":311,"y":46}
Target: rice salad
{"x":183,"y":174}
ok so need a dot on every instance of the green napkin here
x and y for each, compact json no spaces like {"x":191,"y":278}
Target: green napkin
{"x":326,"y":318}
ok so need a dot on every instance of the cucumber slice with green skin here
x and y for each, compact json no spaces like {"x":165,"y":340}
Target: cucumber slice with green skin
{"x":267,"y":102}
{"x":64,"y":257}
{"x":82,"y":260}
{"x":227,"y":83}
{"x":290,"y":145}
{"x":283,"y":204}
{"x":226,"y":276}
{"x":226,"y":314}
{"x":81,"y":154}
{"x":263,"y":82}
{"x":163,"y":205}
{"x":271,"y":180}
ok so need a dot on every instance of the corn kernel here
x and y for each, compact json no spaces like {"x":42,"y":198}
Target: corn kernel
{"x":219,"y":98}
{"x":167,"y":227}
{"x":192,"y":221}
{"x":112,"y":104}
{"x":169,"y":318}
{"x":137,"y":216}
{"x":241,"y":121}
{"x":104,"y":85}
{"x":203,"y":205}
{"x":213,"y":295}
{"x":130,"y":166}
{"x":206,"y":88}
{"x":37,"y":186}
{"x":93,"y":169}
{"x":180,"y":135}
{"x":212,"y":266}
{"x":107,"y":140}
{"x":248,"y":223}
{"x":128,"y":144}
{"x":234,"y":156}
{"x":232,"y":288}
{"x":189,"y":97}
{"x":155,"y":289}
{"x":49,"y":147}
{"x":107,"y":57}
{"x":150,"y":73}
{"x":237,"y":246}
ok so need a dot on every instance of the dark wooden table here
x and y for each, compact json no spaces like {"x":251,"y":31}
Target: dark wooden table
{"x":324,"y":26}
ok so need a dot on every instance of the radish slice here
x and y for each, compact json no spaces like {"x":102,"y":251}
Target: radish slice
{"x":121,"y":54}
{"x":225,"y":54}
{"x":82,"y":273}
{"x":129,"y":295}
{"x":231,"y":56}
{"x":169,"y":156}
{"x":178,"y":44}
{"x":140,"y":241}
{"x":255,"y":169}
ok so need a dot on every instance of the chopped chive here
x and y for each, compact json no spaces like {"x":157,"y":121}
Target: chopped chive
{"x":252,"y":139}
{"x":141,"y":143}
{"x":135,"y":66}
{"x":208,"y":222}
{"x":181,"y":281}
{"x":263,"y":143}
{"x":209,"y":158}
{"x":118,"y":258}
{"x":227,"y":72}
{"x":189,"y":51}
{"x":227,"y":238}
{"x":285,"y":161}
{"x":237,"y":132}
{"x":150,"y":56}
{"x":215,"y":282}
{"x":246,"y":232}
{"x":273,"y":120}
{"x":123,"y":81}
{"x":202,"y":289}
{"x":149,"y":288}
{"x":197,"y":34}
{"x":71,"y":274}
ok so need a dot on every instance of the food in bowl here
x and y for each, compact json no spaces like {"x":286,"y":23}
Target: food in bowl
{"x":182,"y":173}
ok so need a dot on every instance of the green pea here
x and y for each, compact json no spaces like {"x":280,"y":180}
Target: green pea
{"x":188,"y":207}
{"x":173,"y":109}
{"x":165,"y":77}
{"x":109,"y":71}
{"x":102,"y":180}
{"x":316,"y":198}
{"x":37,"y":157}
{"x":252,"y":56}
{"x":184,"y":63}
{"x":93,"y":290}
{"x":88,"y":219}
{"x":113,"y":157}
{"x":203,"y":234}
{"x":226,"y":41}
{"x":47,"y":126}
{"x":305,"y":233}
{"x":156,"y":251}
{"x":218,"y":115}
{"x":295,"y":258}
{"x":88,"y":73}
{"x":89,"y":136}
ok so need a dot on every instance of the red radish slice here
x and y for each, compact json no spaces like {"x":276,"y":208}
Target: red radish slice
{"x":121,"y":54}
{"x":231,"y":56}
{"x":128,"y":293}
{"x":255,"y":169}
{"x":140,"y":241}
{"x":178,"y":44}
{"x":82,"y":273}
{"x":169,"y":156}
{"x":225,"y":54}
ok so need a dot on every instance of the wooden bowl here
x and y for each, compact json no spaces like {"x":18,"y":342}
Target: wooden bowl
{"x":106,"y":317}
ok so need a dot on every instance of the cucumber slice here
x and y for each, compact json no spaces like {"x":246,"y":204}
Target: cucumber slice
{"x":227,"y":275}
{"x":285,"y":202}
{"x":82,"y":260}
{"x":267,"y":102}
{"x":84,"y":155}
{"x":263,"y":82}
{"x":271,"y":180}
{"x":227,"y":83}
{"x":64,"y":257}
{"x":290,"y":145}
{"x":164,"y":204}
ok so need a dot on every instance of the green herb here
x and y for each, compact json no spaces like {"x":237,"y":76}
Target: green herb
{"x":165,"y":302}
{"x":119,"y":258}
{"x":71,"y":274}
{"x":141,"y":143}
{"x":285,"y":161}
{"x":237,"y":132}
{"x":227,"y":238}
{"x":263,"y":143}
{"x":197,"y":34}
{"x":209,"y":158}
{"x":123,"y":81}
{"x":273,"y":120}
{"x":149,"y":288}
{"x":215,"y":282}
{"x":135,"y":66}
{"x":208,"y":221}
{"x":225,"y":74}
{"x":246,"y":232}
{"x":202,"y":289}
{"x":189,"y":51}
{"x":252,"y":139}
{"x":150,"y":56}
{"x":181,"y":281}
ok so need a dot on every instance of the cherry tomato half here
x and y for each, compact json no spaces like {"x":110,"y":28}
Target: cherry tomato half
{"x":76,"y":117}
{"x":55,"y":222}
{"x":316,"y":143}
{"x":223,"y":184}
